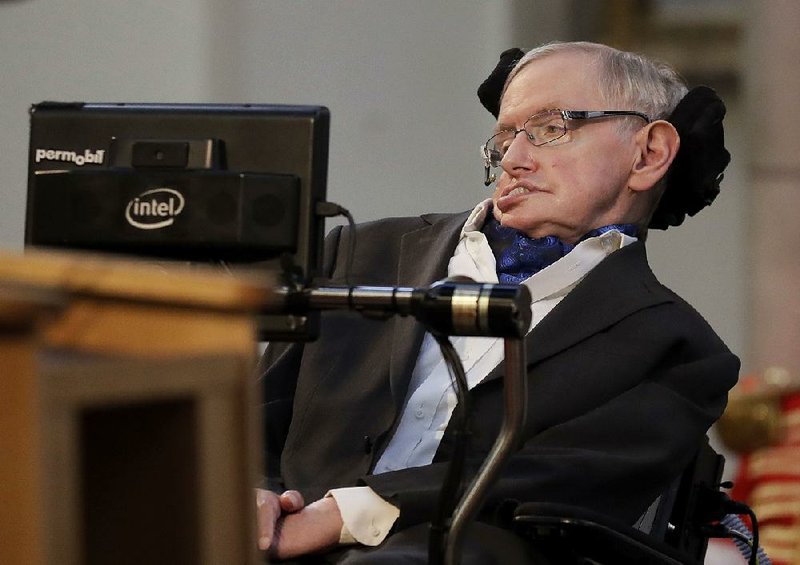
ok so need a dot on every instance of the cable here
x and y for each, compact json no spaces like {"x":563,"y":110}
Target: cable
{"x":745,"y":543}
{"x":717,"y":506}
{"x":734,"y":508}
{"x":754,"y":521}
{"x":460,"y":420}
{"x":331,"y":210}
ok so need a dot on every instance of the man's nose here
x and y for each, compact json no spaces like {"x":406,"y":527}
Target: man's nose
{"x":520,"y":155}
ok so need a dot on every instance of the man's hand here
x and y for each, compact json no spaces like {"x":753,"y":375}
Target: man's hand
{"x":269,"y":508}
{"x":312,"y":529}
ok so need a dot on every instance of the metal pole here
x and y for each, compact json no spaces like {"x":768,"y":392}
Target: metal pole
{"x":515,"y":401}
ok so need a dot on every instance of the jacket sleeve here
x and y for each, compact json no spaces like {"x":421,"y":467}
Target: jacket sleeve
{"x":614,"y":458}
{"x":277,"y":373}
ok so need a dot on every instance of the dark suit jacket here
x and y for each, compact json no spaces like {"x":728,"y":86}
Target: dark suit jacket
{"x":625,"y":379}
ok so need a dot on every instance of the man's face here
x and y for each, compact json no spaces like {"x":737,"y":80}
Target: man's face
{"x":579,"y":182}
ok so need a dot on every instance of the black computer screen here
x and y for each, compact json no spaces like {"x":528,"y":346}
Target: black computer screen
{"x":233,"y":183}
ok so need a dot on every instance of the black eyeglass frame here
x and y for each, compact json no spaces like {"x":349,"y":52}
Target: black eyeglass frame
{"x":493,"y":158}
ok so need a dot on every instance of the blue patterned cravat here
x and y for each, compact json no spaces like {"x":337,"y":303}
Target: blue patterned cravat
{"x":519,"y":256}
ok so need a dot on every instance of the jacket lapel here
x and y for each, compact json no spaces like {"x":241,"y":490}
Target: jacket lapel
{"x":589,"y":309}
{"x":424,"y":256}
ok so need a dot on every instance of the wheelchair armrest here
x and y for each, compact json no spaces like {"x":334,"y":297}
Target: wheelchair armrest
{"x":591,"y":534}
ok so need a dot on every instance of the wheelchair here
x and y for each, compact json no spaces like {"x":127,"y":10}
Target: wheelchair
{"x":674,"y":530}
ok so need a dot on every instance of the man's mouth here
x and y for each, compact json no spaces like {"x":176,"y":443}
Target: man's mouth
{"x":510,"y":195}
{"x":518,"y":190}
{"x":518,"y":187}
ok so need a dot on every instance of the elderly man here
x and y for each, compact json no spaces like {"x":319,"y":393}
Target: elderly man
{"x":625,"y":377}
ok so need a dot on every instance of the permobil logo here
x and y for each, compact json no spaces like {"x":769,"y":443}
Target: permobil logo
{"x":154,"y":209}
{"x":88,"y":157}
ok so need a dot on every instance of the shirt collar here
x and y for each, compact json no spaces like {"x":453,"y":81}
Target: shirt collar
{"x":474,"y":258}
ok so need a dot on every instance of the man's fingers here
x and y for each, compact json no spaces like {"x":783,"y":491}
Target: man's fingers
{"x":291,"y":501}
{"x":268,"y":510}
{"x":314,"y":528}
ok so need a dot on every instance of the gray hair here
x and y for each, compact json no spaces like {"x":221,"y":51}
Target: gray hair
{"x":627,"y":80}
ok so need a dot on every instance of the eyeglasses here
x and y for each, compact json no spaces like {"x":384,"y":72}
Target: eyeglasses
{"x":543,"y":128}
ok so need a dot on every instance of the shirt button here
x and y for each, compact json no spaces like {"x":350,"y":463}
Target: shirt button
{"x":419,"y":413}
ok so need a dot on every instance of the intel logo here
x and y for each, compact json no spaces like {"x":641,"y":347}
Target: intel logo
{"x":154,"y":209}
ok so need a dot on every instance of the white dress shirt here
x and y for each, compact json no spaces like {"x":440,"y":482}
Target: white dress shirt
{"x":430,"y":399}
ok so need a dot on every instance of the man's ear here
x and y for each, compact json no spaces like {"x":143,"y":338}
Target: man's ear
{"x":657,"y":144}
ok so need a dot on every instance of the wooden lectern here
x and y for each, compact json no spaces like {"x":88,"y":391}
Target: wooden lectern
{"x":128,"y":429}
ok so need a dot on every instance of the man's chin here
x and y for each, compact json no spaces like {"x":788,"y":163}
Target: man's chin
{"x":509,"y":221}
{"x":512,"y":218}
{"x":535,"y":230}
